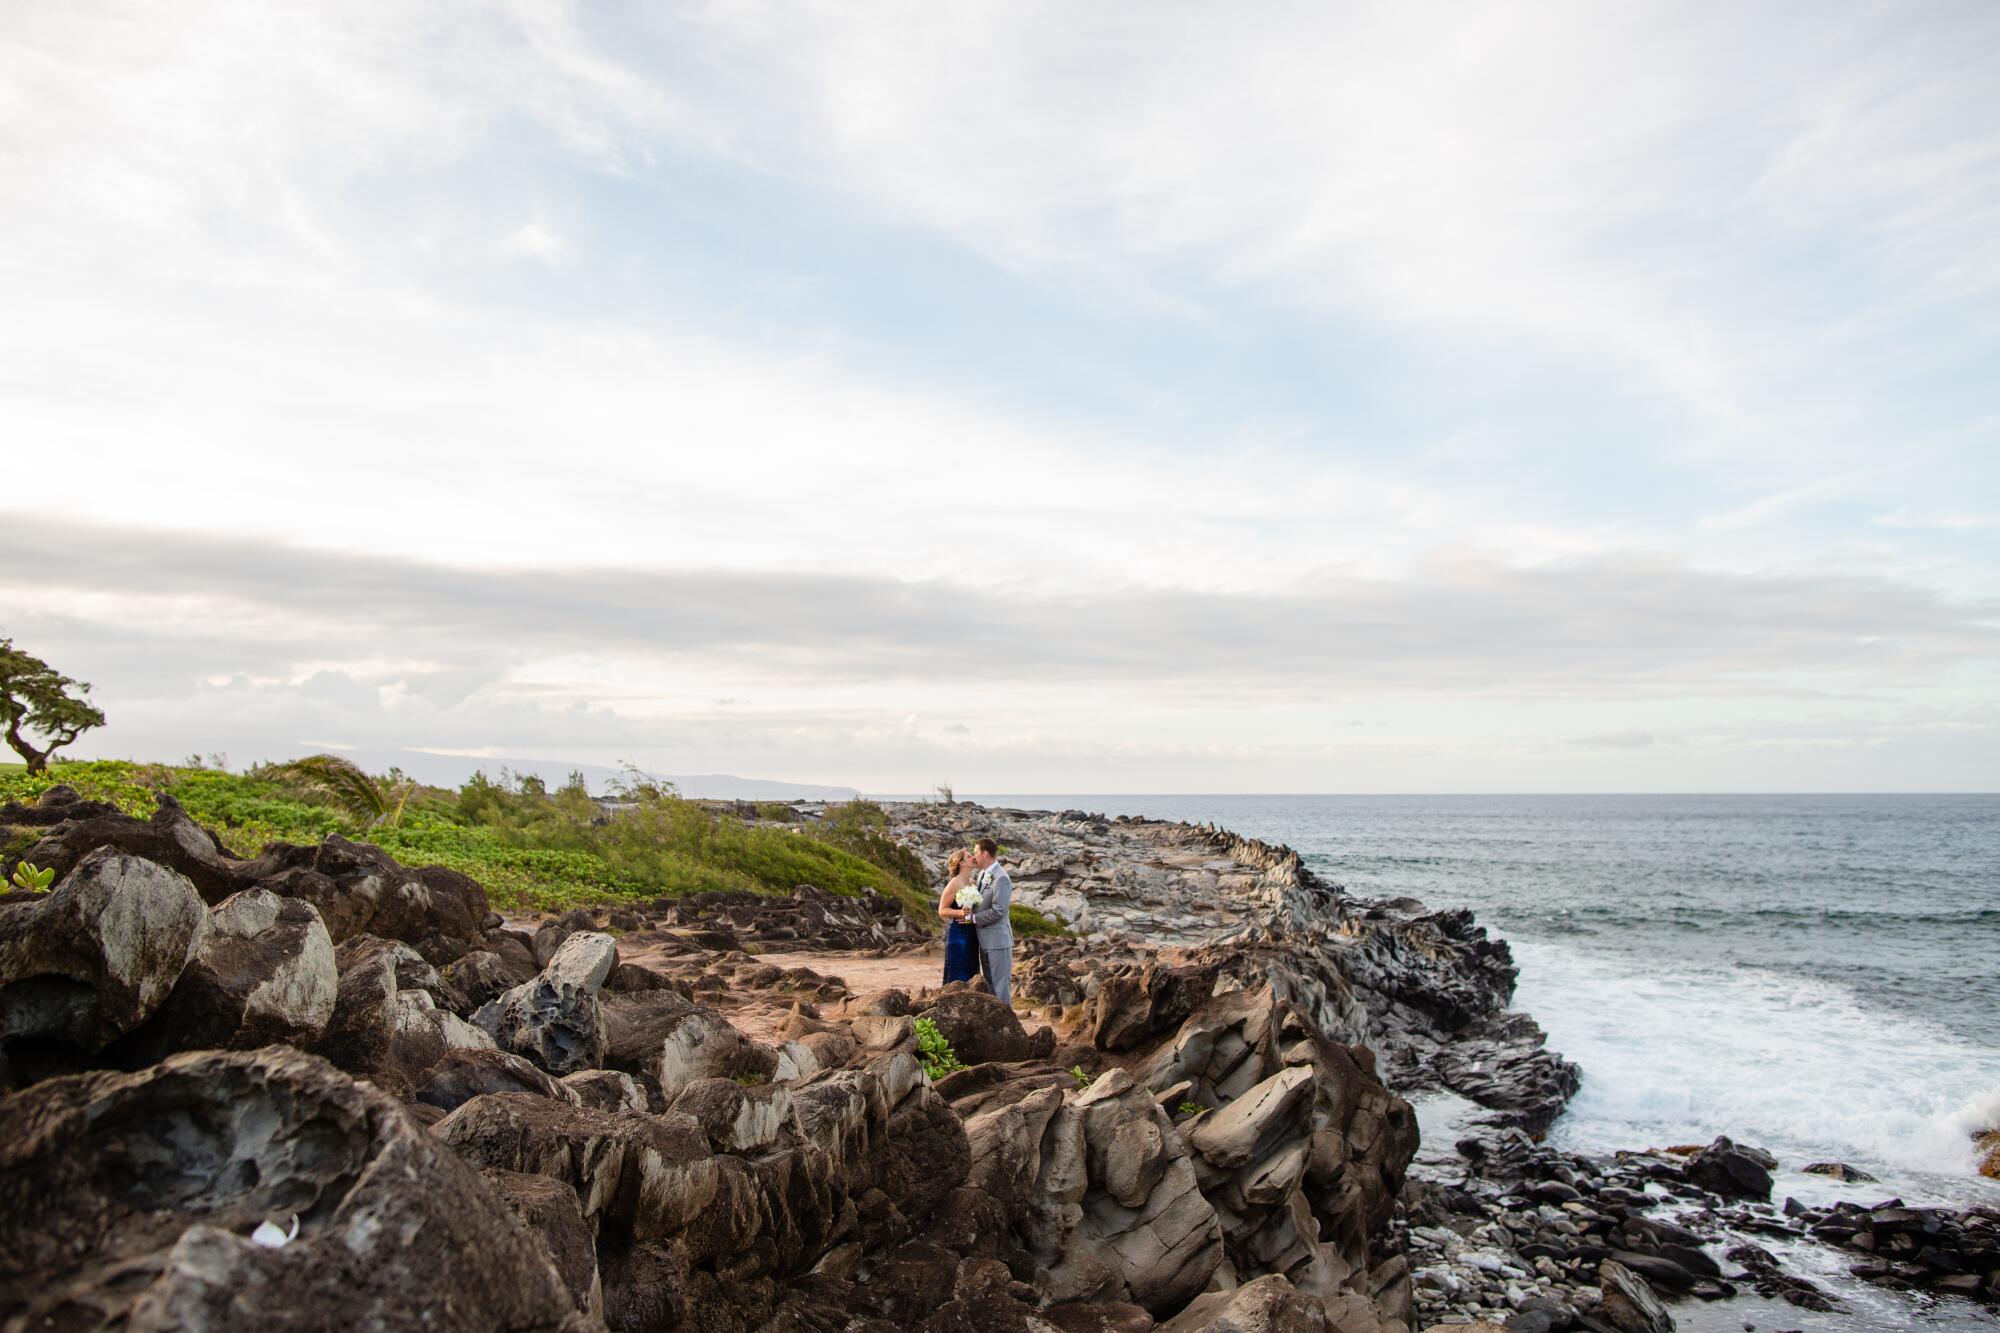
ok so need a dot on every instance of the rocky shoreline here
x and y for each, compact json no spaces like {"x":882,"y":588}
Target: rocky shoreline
{"x":320,"y":1089}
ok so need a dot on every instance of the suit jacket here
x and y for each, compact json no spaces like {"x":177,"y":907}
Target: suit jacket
{"x":996,"y":895}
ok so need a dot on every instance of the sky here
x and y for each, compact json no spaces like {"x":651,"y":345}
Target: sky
{"x":1035,"y":397}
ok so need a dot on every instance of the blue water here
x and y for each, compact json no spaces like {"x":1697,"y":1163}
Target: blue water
{"x":1817,"y":974}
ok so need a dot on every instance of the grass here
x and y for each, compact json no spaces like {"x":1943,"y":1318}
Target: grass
{"x":531,"y":848}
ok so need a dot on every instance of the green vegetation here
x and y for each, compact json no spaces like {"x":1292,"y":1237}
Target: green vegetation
{"x":1083,"y":1080}
{"x":28,"y":879}
{"x":1028,"y":921}
{"x":530,"y":847}
{"x":1191,"y":1108}
{"x":934,"y":1051}
{"x":36,"y":699}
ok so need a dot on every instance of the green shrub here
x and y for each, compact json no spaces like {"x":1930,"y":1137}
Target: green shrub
{"x":1083,"y":1080}
{"x":1191,"y":1108}
{"x":934,"y":1051}
{"x":1028,"y":921}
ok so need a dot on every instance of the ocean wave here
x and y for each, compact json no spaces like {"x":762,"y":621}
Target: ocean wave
{"x":1800,"y":1065}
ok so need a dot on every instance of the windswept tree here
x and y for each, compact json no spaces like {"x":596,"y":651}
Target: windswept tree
{"x":36,"y":700}
{"x":342,"y":782}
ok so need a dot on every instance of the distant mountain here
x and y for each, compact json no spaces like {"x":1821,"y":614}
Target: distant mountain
{"x":451,"y":770}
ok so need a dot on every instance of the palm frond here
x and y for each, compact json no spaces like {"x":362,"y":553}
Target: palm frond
{"x":341,"y":781}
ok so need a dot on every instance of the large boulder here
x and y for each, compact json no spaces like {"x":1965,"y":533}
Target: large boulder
{"x":554,"y":1020}
{"x":1267,"y":1305}
{"x":550,"y":1210}
{"x":1732,"y":1170}
{"x":648,"y":1176}
{"x":460,"y":1075}
{"x":390,"y":1035}
{"x":358,"y":889}
{"x":97,"y":956}
{"x":128,"y":1201}
{"x":979,"y":1027}
{"x":1628,"y":1304}
{"x":264,"y":973}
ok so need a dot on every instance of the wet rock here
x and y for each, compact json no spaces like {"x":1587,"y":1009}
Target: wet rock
{"x":95,"y":957}
{"x":554,"y":1020}
{"x":263,"y":973}
{"x":127,"y":1200}
{"x":1733,"y":1171}
{"x":1837,"y":1171}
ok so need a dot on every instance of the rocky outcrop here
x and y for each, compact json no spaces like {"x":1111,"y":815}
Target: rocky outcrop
{"x":356,"y":889}
{"x":94,"y":958}
{"x":264,"y":972}
{"x":1160,"y":905}
{"x":129,"y":1201}
{"x":554,"y":1020}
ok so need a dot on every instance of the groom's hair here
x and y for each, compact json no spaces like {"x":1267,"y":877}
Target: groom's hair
{"x":987,"y":845}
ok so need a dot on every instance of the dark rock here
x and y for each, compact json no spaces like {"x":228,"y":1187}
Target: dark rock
{"x":1837,"y":1171}
{"x":460,"y":1075}
{"x":549,"y":1209}
{"x":1628,"y":1304}
{"x":94,"y":958}
{"x":980,"y":1028}
{"x":1733,"y":1172}
{"x":127,"y":1200}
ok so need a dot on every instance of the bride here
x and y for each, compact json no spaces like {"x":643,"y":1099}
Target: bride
{"x":961,"y":937}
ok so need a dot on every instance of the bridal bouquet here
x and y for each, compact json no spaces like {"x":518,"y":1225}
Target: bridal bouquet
{"x":968,"y":897}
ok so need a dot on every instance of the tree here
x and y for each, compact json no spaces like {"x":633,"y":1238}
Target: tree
{"x":35,"y":697}
{"x":342,"y":782}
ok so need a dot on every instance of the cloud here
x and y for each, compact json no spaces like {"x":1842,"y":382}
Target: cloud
{"x":1614,"y":626}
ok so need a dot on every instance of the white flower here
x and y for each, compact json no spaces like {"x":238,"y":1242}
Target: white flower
{"x":274,"y":1237}
{"x":967,"y":897}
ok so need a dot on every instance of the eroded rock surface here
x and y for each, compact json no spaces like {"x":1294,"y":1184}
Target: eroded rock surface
{"x":128,"y":1200}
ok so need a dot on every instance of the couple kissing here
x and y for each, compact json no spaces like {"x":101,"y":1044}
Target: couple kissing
{"x":979,"y":941}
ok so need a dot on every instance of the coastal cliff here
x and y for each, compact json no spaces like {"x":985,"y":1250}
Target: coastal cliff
{"x":749,"y":1111}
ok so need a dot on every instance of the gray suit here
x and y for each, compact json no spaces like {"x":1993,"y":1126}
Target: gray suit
{"x":996,"y":931}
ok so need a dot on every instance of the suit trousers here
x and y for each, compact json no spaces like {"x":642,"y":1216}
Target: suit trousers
{"x":997,"y":966}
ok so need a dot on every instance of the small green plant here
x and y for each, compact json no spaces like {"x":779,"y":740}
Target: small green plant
{"x":29,"y":879}
{"x":1191,"y":1108}
{"x":1027,"y":921}
{"x":1083,"y":1080}
{"x":936,"y":1053}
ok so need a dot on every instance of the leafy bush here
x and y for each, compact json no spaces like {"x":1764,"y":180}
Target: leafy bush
{"x":934,"y":1051}
{"x":1028,"y":921}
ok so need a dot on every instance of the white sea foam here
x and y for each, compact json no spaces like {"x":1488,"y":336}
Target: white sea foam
{"x":1796,"y":1065}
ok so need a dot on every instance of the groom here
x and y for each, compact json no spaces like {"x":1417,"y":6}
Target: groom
{"x":996,"y":931}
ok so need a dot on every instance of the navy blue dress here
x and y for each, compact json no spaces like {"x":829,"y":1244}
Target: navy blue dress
{"x":961,"y":951}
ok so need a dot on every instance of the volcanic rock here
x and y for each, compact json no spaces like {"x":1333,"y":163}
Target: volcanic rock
{"x":94,"y":958}
{"x":264,"y":973}
{"x":128,"y":1200}
{"x":554,"y":1020}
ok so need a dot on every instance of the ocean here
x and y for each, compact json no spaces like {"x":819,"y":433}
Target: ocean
{"x":1816,"y":975}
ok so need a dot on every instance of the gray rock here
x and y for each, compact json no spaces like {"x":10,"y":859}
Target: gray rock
{"x":388,"y":1035}
{"x":264,"y":973}
{"x":95,"y":957}
{"x":1629,"y":1305}
{"x":555,"y":1020}
{"x":548,"y":1208}
{"x":702,"y":1044}
{"x":1732,"y":1170}
{"x":460,"y":1075}
{"x":1267,"y":1305}
{"x":606,"y":1089}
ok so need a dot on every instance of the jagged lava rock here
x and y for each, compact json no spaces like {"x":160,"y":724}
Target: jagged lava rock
{"x":96,"y":956}
{"x":554,"y":1020}
{"x":127,"y":1200}
{"x":263,"y":973}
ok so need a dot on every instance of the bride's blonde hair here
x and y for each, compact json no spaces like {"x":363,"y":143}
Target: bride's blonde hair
{"x":953,"y":862}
